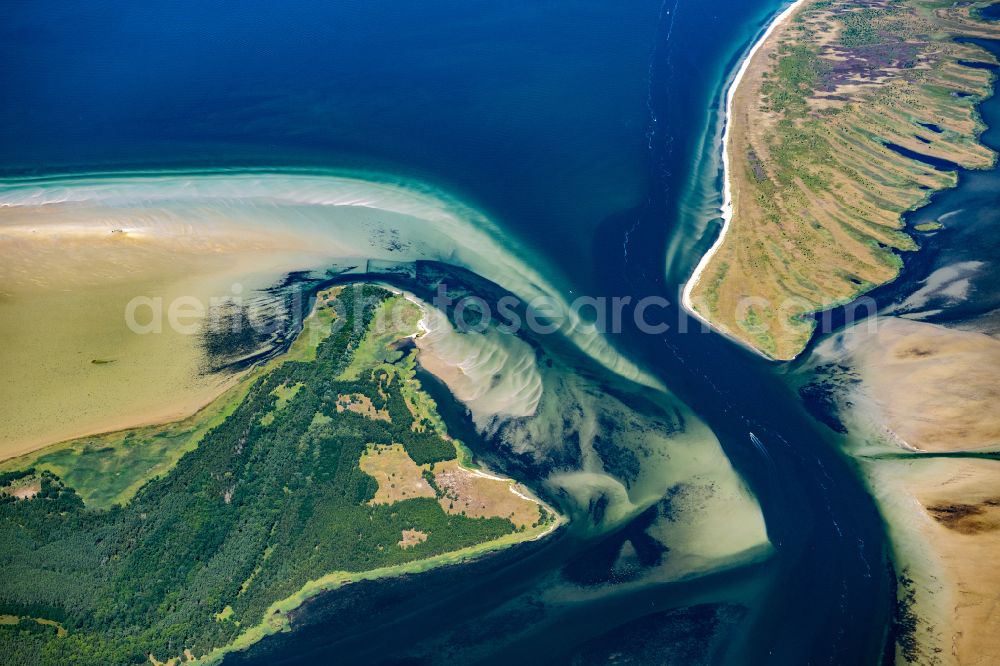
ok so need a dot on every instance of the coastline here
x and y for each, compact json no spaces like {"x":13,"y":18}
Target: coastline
{"x":941,"y":516}
{"x":694,"y":369}
{"x":753,"y":282}
{"x":435,"y":225}
{"x":276,"y":618}
{"x":927,"y":458}
{"x":727,"y":188}
{"x":178,"y":412}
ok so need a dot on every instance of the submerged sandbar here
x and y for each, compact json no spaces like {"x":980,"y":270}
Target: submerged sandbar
{"x":78,"y":250}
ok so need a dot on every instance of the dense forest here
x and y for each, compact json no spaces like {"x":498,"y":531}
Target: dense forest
{"x":271,"y":498}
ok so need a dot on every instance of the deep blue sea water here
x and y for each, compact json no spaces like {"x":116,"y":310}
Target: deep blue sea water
{"x":578,"y":126}
{"x":519,"y":107}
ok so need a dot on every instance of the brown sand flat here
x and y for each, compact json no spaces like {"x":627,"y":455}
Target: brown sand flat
{"x":945,"y":524}
{"x":72,"y":365}
{"x":937,"y":388}
{"x":361,"y":404}
{"x":399,"y":478}
{"x":412,"y":538}
{"x":480,"y":495}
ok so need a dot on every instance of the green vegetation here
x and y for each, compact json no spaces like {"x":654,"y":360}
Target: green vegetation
{"x":284,"y":394}
{"x":819,"y":190}
{"x":8,"y":479}
{"x":861,"y":28}
{"x":245,"y":519}
{"x":395,"y":317}
{"x":109,"y":469}
{"x":797,"y":71}
{"x":104,"y":473}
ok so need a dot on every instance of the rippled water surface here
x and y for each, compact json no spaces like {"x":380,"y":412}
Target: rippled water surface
{"x":587,"y":131}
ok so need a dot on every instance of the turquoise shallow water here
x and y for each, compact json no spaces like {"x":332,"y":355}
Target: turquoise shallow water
{"x":581,"y":127}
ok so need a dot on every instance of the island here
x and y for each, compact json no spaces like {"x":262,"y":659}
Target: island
{"x":181,"y":542}
{"x":845,"y":116}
